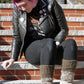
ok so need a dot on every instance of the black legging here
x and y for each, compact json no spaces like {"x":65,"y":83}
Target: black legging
{"x":44,"y":51}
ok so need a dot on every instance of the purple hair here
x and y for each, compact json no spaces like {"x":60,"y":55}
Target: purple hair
{"x":16,"y":1}
{"x":20,"y":0}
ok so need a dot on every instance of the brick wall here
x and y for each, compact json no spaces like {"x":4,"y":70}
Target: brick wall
{"x":75,"y":20}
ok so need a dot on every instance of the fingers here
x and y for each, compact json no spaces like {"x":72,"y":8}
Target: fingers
{"x":8,"y":65}
{"x":4,"y":65}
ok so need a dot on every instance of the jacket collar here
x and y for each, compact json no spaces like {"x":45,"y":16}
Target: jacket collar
{"x":41,"y":4}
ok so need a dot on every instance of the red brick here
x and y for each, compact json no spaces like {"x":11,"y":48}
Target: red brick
{"x":7,"y":23}
{"x":79,"y":37}
{"x":10,"y":14}
{"x":78,"y":77}
{"x":71,"y":28}
{"x":3,"y":14}
{"x":23,"y":59}
{"x":5,"y":43}
{"x":9,"y":38}
{"x":5,"y":58}
{"x":80,"y":11}
{"x":0,"y":59}
{"x":8,"y":72}
{"x":4,"y":28}
{"x":83,"y":24}
{"x":24,"y":72}
{"x":79,"y":43}
{"x":57,"y":72}
{"x":79,"y":71}
{"x":33,"y":77}
{"x":73,"y":23}
{"x":4,"y":53}
{"x":37,"y":72}
{"x":56,"y":77}
{"x":0,"y":24}
{"x":2,"y":38}
{"x":15,"y":77}
{"x":2,"y":78}
{"x":82,"y":55}
{"x":75,"y":15}
{"x":80,"y":52}
{"x":66,"y":15}
{"x":80,"y":58}
{"x":69,"y":11}
{"x":7,"y":10}
{"x":69,"y":37}
{"x":79,"y":28}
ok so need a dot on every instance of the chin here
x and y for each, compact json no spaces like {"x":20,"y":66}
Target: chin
{"x":28,"y":11}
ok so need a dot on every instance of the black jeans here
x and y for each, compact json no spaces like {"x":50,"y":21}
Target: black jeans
{"x":45,"y":52}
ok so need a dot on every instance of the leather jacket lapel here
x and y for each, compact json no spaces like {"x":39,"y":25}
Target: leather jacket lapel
{"x":42,"y":3}
{"x":23,"y":20}
{"x":23,"y":28}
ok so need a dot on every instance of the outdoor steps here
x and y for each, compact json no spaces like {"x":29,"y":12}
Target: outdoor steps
{"x":26,"y":65}
{"x":36,"y":82}
{"x":6,"y":39}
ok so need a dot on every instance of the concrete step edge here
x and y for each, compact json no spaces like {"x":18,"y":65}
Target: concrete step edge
{"x":26,"y":65}
{"x":70,"y":33}
{"x":8,"y":47}
{"x":35,"y":82}
{"x":69,"y":19}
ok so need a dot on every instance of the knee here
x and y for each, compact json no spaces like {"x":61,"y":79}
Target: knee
{"x":72,"y":48}
{"x":71,"y":43}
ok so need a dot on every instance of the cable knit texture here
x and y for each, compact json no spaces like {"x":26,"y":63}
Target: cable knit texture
{"x":46,"y":74}
{"x":68,"y":71}
{"x":67,"y":76}
{"x":46,"y":81}
{"x":69,"y":65}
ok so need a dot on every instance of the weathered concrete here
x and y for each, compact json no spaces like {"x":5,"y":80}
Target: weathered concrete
{"x":36,"y":82}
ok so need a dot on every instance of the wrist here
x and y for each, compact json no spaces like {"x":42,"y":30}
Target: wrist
{"x":12,"y":60}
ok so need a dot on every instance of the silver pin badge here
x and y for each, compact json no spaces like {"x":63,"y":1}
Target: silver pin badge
{"x":41,"y":31}
{"x":45,"y":14}
{"x":22,"y":19}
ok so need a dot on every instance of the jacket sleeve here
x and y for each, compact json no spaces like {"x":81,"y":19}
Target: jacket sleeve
{"x":59,"y":14}
{"x":16,"y":43}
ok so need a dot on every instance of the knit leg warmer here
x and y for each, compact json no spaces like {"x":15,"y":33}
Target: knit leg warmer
{"x":68,"y":71}
{"x":46,"y":74}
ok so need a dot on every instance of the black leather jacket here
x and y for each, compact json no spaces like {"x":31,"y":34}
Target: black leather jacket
{"x":54,"y":15}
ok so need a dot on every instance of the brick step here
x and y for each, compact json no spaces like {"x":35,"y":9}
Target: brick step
{"x":71,"y":32}
{"x":8,"y":47}
{"x":36,"y":82}
{"x":26,"y":65}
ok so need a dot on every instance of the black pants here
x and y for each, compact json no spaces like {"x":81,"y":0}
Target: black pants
{"x":44,"y":51}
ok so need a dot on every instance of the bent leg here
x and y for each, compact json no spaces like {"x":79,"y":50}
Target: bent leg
{"x":46,"y":61}
{"x":47,"y":52}
{"x":69,"y":61}
{"x":41,"y":52}
{"x":70,"y":49}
